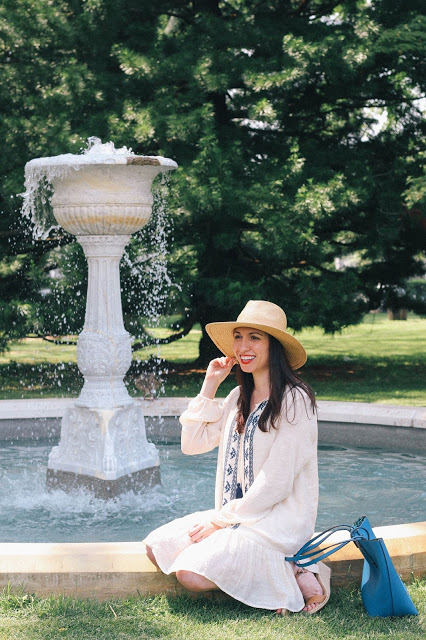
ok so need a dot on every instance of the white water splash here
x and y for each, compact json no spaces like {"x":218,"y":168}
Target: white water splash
{"x":41,"y":172}
{"x":149,"y":269}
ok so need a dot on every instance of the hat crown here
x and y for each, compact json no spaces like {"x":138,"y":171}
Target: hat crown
{"x":263,"y":312}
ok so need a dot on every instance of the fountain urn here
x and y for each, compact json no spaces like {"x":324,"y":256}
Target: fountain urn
{"x":103,"y":197}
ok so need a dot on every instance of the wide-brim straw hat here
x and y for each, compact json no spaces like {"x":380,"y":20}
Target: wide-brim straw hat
{"x":263,"y":315}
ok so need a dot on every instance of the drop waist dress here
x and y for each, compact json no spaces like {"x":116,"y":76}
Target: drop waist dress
{"x":278,"y":476}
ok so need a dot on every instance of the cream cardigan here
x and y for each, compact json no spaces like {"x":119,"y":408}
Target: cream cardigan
{"x":279,"y":509}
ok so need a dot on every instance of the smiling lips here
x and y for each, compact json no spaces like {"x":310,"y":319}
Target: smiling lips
{"x":247,"y":359}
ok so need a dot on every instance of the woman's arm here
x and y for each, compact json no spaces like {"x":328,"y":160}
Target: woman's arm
{"x":202,"y":421}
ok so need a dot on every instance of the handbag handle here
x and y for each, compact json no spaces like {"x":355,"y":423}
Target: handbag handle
{"x":310,"y":553}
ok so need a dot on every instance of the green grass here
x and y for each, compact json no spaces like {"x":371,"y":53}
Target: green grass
{"x":375,"y":337}
{"x":378,"y":361}
{"x":24,"y":617}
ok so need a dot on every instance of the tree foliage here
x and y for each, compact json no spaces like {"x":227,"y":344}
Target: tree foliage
{"x":297,"y":125}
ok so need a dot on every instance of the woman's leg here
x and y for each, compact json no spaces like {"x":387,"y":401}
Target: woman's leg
{"x":188,"y":579}
{"x":194,"y":582}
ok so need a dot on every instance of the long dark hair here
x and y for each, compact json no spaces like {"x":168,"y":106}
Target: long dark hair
{"x":282,"y":378}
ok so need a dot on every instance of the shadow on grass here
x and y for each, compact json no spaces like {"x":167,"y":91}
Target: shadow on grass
{"x":343,"y":617}
{"x":203,"y":618}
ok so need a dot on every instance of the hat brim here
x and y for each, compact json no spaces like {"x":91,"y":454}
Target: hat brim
{"x":222,"y":335}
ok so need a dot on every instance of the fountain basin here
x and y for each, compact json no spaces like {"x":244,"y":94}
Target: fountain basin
{"x":105,"y":200}
{"x":120,"y":569}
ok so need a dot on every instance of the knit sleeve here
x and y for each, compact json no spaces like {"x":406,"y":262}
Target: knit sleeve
{"x":202,"y":424}
{"x":295,"y":446}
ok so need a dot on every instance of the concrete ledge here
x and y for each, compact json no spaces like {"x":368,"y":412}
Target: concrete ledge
{"x":121,"y":569}
{"x":353,"y":412}
{"x":389,"y":415}
{"x":396,"y":428}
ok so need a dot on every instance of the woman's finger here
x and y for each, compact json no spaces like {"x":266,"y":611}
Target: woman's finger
{"x":195,"y":529}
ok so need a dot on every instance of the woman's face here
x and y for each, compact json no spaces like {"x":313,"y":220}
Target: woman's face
{"x":251,"y":348}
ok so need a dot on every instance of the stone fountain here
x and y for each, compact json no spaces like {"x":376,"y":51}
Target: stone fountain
{"x":102,"y":197}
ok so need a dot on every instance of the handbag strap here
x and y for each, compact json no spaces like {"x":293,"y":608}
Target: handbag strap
{"x":310,"y":553}
{"x":312,"y":557}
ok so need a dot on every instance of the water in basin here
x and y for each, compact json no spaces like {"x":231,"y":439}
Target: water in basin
{"x":386,"y":486}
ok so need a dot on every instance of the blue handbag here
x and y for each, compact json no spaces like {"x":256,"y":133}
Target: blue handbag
{"x":382,"y":590}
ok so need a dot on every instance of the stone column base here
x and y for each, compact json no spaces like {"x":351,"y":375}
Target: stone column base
{"x":104,"y":489}
{"x":104,"y":451}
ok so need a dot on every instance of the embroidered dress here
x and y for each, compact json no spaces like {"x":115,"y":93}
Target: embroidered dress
{"x":277,"y":473}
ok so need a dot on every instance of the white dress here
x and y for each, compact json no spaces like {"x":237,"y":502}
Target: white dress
{"x":274,"y":518}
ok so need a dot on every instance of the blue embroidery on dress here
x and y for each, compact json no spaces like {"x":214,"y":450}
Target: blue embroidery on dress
{"x":249,"y":432}
{"x":231,"y":465}
{"x":230,"y":469}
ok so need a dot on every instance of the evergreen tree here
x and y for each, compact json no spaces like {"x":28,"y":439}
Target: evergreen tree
{"x":297,"y":126}
{"x":288,"y":190}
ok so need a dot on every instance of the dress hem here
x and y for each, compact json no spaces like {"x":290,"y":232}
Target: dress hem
{"x":244,"y":601}
{"x":228,"y":591}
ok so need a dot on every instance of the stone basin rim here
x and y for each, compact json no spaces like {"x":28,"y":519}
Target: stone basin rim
{"x":75,"y":161}
{"x":105,"y":570}
{"x":357,"y":424}
{"x":328,"y":410}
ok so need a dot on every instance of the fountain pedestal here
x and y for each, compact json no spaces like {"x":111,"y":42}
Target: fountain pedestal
{"x":102,"y":198}
{"x":103,"y":445}
{"x":104,"y":451}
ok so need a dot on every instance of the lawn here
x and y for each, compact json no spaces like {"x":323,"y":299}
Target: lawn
{"x":378,"y":361}
{"x":23,"y":617}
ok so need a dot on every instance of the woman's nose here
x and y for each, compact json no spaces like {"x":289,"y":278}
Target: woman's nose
{"x":245,"y":345}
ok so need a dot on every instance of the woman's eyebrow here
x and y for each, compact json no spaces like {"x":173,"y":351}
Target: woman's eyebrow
{"x":254,"y":331}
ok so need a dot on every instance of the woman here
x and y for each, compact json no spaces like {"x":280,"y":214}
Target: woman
{"x":267,"y":480}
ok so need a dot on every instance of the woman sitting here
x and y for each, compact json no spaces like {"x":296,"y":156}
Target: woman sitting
{"x":267,"y":479}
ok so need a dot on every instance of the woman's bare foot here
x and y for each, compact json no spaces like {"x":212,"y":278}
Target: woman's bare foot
{"x":309,"y":586}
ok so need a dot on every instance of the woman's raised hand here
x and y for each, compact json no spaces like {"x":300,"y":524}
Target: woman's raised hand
{"x":220,"y":368}
{"x":217,"y":371}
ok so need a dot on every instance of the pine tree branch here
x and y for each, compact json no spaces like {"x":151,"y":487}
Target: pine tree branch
{"x":329,"y":8}
{"x":56,"y":340}
{"x":151,"y":341}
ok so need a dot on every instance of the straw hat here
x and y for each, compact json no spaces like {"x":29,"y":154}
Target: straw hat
{"x":266,"y":316}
